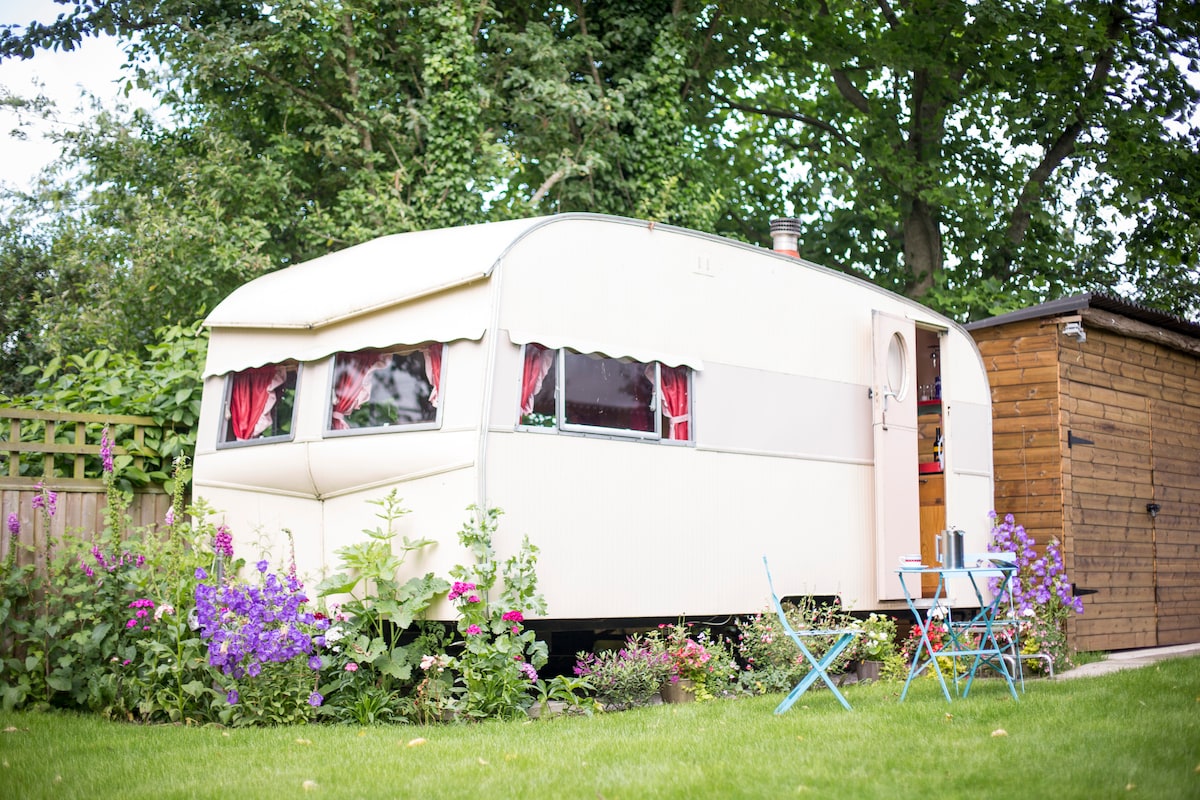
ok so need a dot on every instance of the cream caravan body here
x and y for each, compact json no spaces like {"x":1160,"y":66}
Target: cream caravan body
{"x":781,"y":416}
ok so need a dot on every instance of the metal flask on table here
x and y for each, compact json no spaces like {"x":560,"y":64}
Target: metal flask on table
{"x":950,"y":549}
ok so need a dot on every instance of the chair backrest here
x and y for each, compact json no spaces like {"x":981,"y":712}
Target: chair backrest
{"x":783,"y":620}
{"x":985,"y":560}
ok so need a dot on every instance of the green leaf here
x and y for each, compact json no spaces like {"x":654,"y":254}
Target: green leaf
{"x":336,"y":584}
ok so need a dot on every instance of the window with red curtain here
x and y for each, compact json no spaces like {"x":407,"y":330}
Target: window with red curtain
{"x":375,"y":389}
{"x":433,"y":371}
{"x":674,"y":387}
{"x":538,"y":363}
{"x":351,"y":388}
{"x":255,"y":397}
{"x":604,"y":394}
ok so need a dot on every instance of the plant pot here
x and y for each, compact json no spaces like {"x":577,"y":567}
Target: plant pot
{"x":869,"y":670}
{"x":681,"y":691}
{"x":551,"y":708}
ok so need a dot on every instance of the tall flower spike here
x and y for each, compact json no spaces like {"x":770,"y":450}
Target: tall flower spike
{"x":106,"y":451}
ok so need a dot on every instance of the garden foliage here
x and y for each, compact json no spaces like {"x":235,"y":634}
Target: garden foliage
{"x":161,"y":624}
{"x":1040,"y":592}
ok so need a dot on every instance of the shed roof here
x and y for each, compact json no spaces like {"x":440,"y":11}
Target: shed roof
{"x":1101,"y":302}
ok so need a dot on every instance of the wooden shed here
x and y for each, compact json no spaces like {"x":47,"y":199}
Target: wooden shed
{"x":1096,"y":422}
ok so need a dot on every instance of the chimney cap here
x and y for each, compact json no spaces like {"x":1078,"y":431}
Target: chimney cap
{"x":785,"y":225}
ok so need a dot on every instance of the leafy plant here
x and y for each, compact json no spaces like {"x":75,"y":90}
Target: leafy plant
{"x":699,"y":656}
{"x":625,"y":677}
{"x":1040,"y":592}
{"x":382,"y":606}
{"x":499,"y":660}
{"x":877,"y":642}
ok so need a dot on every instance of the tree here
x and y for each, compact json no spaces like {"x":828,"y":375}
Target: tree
{"x":970,"y":154}
{"x":302,"y":127}
{"x":973,"y":154}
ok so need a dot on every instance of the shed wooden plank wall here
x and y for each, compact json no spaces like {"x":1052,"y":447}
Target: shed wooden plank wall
{"x":1022,"y":364}
{"x":1107,"y":485}
{"x":1087,"y":434}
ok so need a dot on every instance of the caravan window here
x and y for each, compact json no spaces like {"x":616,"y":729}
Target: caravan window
{"x":387,"y":388}
{"x":593,"y":393}
{"x":259,"y":404}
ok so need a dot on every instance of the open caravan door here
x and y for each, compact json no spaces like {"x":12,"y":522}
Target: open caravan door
{"x":894,"y":428}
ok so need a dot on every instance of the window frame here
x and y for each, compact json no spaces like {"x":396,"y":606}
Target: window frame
{"x":597,"y":431}
{"x":224,"y":420}
{"x":393,"y":350}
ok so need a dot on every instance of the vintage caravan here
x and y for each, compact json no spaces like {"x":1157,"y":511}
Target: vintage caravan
{"x":656,"y":408}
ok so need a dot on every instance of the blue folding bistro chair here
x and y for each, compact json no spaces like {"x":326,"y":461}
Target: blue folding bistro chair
{"x":820,"y":666}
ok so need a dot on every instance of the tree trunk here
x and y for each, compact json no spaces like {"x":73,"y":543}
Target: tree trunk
{"x":922,"y":246}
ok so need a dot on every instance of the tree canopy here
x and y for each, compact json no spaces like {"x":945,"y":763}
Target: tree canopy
{"x":979,"y":156}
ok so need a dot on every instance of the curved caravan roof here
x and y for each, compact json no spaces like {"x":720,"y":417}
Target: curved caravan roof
{"x":347,"y":299}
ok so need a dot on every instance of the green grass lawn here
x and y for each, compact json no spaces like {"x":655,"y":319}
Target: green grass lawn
{"x":1132,"y":734}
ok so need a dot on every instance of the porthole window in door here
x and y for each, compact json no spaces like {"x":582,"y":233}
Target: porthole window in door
{"x":897,"y":367}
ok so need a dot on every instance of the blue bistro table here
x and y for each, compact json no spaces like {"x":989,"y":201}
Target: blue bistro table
{"x":975,"y":637}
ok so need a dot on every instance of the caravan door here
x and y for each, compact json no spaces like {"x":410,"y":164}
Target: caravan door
{"x":894,"y":423}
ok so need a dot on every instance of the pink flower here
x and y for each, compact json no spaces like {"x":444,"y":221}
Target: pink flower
{"x":513,"y":616}
{"x":170,"y":518}
{"x":473,"y":598}
{"x":352,"y":667}
{"x":473,"y":630}
{"x":106,"y":451}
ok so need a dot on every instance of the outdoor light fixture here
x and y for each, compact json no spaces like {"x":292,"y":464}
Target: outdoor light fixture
{"x":1153,"y":508}
{"x":1075,"y":329}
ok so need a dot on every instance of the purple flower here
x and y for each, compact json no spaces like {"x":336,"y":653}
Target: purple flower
{"x":262,"y":566}
{"x":44,"y":500}
{"x":201,"y":575}
{"x":314,"y":663}
{"x":529,"y":671}
{"x":223,"y":543}
{"x":232,"y":697}
{"x":169,"y":519}
{"x":14,"y":524}
{"x":106,"y":451}
{"x":315,"y":699}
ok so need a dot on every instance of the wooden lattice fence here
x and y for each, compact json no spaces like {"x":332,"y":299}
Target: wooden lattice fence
{"x":60,"y":452}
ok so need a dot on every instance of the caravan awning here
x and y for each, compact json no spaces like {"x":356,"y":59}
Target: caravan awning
{"x":338,"y":301}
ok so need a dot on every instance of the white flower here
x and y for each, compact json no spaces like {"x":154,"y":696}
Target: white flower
{"x":334,"y":634}
{"x":163,"y":609}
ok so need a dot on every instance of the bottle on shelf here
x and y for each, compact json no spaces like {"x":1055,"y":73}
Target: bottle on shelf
{"x":939,"y":449}
{"x":937,"y":388}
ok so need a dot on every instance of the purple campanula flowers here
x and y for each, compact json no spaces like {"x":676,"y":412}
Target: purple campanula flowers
{"x":1039,"y":579}
{"x":248,"y":625}
{"x":315,"y":699}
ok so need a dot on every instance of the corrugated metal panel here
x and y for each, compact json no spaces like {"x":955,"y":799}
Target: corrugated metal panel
{"x":1080,"y":302}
